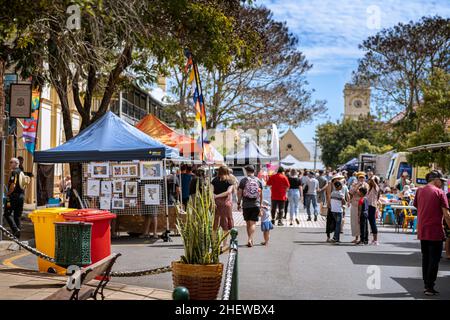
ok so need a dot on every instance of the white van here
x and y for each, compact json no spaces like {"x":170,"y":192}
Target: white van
{"x":399,"y":164}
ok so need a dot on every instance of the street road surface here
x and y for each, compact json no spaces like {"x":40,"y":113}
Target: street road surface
{"x":298,"y":264}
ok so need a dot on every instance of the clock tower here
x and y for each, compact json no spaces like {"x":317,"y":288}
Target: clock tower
{"x":356,"y":101}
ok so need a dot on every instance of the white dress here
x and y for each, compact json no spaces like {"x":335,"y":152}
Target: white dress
{"x":356,"y":231}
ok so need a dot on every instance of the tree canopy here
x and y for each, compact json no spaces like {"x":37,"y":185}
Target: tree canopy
{"x":117,"y":41}
{"x":434,"y":121}
{"x":342,"y":141}
{"x":268,"y":88}
{"x":397,"y":60}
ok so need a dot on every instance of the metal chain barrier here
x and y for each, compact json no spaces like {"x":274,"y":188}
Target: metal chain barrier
{"x":141,"y":273}
{"x":229,"y":275}
{"x":25,"y":246}
{"x":117,"y":274}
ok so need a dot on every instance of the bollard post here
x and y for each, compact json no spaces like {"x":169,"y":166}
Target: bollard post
{"x":180,"y":293}
{"x":234,"y":294}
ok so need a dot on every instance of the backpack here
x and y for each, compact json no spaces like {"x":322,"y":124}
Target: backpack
{"x":24,"y":180}
{"x":251,"y":189}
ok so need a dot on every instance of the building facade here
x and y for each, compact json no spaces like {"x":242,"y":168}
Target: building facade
{"x":290,"y":144}
{"x":131,"y":105}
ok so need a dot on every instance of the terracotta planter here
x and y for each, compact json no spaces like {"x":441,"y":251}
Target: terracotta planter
{"x":202,"y":281}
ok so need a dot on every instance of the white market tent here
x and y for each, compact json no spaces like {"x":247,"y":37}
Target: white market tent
{"x":290,"y":162}
{"x":250,"y":153}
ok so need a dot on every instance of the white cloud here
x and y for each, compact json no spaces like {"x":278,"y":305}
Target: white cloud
{"x":330,"y":31}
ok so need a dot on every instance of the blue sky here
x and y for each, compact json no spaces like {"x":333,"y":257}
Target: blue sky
{"x":329,"y":33}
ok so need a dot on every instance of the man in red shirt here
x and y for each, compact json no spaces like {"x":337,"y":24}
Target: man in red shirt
{"x":279,"y":184}
{"x":432,"y":205}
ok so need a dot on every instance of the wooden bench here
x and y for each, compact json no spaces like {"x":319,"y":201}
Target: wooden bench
{"x":83,"y":276}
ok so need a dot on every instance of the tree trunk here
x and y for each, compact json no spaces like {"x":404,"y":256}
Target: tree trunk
{"x":76,"y":175}
{"x":2,"y":93}
{"x":76,"y":167}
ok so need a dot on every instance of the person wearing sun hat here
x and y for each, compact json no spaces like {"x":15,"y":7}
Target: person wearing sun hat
{"x":354,"y":199}
{"x":331,"y":219}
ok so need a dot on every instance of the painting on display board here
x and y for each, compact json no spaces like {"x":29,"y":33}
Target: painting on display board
{"x":132,"y":203}
{"x":125,"y":170}
{"x":151,"y":194}
{"x":106,"y":187}
{"x":105,"y":203}
{"x":118,"y":186}
{"x":116,"y":170}
{"x":118,"y":203}
{"x":133,"y":170}
{"x":93,"y":188}
{"x":151,"y":170}
{"x":131,"y":189}
{"x":100,"y":170}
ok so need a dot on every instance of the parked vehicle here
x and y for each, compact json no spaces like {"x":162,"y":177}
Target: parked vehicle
{"x":399,"y":164}
{"x":390,"y":167}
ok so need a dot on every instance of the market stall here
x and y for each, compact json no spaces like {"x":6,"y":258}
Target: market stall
{"x":123,"y":171}
{"x":251,"y":153}
{"x":290,"y":162}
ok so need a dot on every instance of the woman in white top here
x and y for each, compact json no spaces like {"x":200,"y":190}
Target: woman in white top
{"x":373,"y":196}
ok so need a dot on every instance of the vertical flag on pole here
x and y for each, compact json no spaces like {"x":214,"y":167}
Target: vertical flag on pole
{"x":30,"y":126}
{"x":199,"y":103}
{"x":275,"y":143}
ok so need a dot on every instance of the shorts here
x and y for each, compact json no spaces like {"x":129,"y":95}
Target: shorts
{"x":266,"y":226}
{"x":251,"y":214}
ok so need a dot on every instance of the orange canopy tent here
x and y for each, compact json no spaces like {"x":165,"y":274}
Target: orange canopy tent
{"x":188,"y":146}
{"x":160,"y":131}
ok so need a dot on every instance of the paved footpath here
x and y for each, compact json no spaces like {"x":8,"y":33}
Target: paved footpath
{"x":24,"y":284}
{"x":298,"y":264}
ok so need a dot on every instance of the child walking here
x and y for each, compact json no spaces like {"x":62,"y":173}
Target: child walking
{"x":266,"y":223}
{"x":363,"y":213}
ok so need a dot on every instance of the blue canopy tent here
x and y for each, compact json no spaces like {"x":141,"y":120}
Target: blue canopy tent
{"x":351,"y":165}
{"x":108,"y":139}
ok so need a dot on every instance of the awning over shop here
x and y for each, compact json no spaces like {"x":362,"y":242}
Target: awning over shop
{"x":108,"y":139}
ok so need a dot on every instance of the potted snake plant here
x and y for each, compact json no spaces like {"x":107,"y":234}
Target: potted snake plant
{"x":199,"y":269}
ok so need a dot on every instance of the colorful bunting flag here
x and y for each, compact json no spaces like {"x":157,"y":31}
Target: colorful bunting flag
{"x":30,"y":126}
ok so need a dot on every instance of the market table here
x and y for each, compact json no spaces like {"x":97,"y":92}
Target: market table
{"x":397,"y":208}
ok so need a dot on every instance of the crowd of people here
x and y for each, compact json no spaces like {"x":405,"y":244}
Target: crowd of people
{"x":332,"y":194}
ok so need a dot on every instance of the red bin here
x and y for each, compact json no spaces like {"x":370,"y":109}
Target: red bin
{"x":101,"y":230}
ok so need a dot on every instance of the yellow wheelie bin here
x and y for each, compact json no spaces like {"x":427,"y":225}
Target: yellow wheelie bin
{"x":44,"y":234}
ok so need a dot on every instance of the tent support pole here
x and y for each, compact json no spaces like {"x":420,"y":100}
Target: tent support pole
{"x":166,"y":235}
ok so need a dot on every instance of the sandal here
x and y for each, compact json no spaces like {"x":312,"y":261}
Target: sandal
{"x":250,"y":244}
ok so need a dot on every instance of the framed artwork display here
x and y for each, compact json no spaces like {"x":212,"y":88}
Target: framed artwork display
{"x":131,"y":188}
{"x":151,"y":194}
{"x":100,"y":170}
{"x":151,"y":170}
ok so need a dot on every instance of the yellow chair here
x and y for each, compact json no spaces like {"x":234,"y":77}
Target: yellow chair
{"x":408,"y":216}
